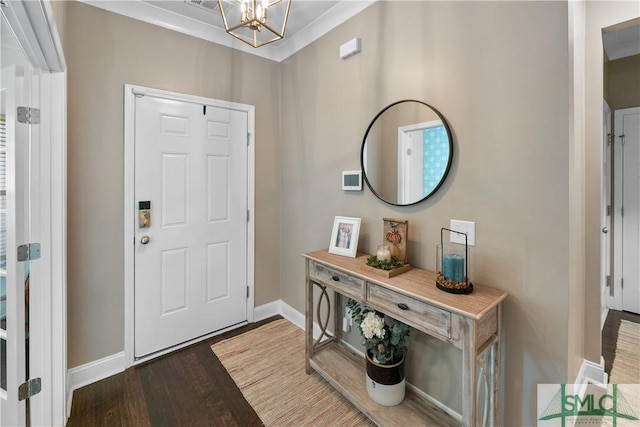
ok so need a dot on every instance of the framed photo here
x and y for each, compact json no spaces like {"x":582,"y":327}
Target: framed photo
{"x":344,"y":237}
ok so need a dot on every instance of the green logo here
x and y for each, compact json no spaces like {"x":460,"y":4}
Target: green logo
{"x":565,"y":405}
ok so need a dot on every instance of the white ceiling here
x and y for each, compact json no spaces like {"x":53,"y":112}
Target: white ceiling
{"x":308,"y":20}
{"x":622,"y":40}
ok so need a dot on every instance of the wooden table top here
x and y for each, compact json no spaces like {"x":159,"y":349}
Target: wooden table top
{"x":419,"y":284}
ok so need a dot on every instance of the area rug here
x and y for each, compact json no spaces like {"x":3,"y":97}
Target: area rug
{"x":267,"y":365}
{"x":625,"y":372}
{"x":626,"y":363}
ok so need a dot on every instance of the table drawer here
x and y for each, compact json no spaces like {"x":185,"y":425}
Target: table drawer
{"x":402,"y":307}
{"x":345,"y":283}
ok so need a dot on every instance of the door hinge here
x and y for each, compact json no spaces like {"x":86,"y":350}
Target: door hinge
{"x":622,"y":211}
{"x":29,"y":388}
{"x":608,"y":281}
{"x":248,"y":215}
{"x":609,"y":137}
{"x":608,"y":210}
{"x":248,"y":139}
{"x":622,"y":140}
{"x":621,"y":283}
{"x":247,"y":292}
{"x":29,"y":115}
{"x":28,"y":252}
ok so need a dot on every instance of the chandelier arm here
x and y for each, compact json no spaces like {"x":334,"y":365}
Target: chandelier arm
{"x":244,"y":24}
{"x":244,"y":40}
{"x":268,"y":27}
{"x":286,"y":17}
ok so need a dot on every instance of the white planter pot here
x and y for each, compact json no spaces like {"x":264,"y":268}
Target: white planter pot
{"x":385,"y":383}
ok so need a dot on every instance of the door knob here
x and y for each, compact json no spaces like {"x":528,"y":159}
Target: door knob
{"x":605,"y":230}
{"x":144,"y":240}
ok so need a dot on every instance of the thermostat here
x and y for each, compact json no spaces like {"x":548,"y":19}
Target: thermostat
{"x":352,"y":180}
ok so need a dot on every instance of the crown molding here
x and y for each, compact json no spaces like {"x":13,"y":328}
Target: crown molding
{"x":335,"y":16}
{"x":155,"y":15}
{"x":151,"y":14}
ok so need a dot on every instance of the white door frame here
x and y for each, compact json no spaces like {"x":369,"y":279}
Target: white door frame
{"x":34,"y":25}
{"x":616,"y":300}
{"x":605,"y":213}
{"x":615,"y":297}
{"x":130,"y":93}
{"x":405,"y":169}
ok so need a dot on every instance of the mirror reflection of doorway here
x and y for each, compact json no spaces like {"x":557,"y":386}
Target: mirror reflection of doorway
{"x":423,"y":155}
{"x":622,"y":94}
{"x":621,"y":228}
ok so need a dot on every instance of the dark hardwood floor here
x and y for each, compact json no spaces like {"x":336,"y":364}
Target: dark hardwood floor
{"x":188,"y":387}
{"x":610,"y":334}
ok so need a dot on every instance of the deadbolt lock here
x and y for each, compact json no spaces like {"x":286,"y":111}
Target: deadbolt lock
{"x":144,"y":214}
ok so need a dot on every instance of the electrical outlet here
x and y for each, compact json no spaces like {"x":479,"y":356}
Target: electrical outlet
{"x":466,"y":227}
{"x":346,"y":321}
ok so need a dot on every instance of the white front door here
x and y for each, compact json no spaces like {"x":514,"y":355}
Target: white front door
{"x":628,"y":132}
{"x":191,"y":257}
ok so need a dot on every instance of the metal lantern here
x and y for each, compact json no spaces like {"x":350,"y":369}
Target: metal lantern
{"x":452,"y":265}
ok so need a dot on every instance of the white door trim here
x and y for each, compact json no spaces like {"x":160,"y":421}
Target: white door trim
{"x":130,"y":93}
{"x":35,"y":27}
{"x":606,"y":235}
{"x":616,"y":302}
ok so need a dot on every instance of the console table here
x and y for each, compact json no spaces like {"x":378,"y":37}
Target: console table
{"x":469,"y":322}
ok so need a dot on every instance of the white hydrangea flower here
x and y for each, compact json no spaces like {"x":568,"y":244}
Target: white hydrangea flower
{"x":372,"y":325}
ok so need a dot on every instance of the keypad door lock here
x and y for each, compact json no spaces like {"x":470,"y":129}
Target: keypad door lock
{"x":144,"y":214}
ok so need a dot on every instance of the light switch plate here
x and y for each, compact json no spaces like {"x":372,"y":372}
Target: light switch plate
{"x":467,"y":227}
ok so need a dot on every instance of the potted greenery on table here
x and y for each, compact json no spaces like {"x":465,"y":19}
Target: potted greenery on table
{"x":386,"y":342}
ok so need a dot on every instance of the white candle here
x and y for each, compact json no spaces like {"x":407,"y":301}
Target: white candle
{"x":383,"y":253}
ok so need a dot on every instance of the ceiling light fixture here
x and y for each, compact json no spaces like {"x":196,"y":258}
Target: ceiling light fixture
{"x":255,"y":21}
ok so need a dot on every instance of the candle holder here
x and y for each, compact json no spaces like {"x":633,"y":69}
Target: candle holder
{"x":452,"y":265}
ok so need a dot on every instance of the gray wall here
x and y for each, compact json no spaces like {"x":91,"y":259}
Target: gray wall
{"x":623,"y":82}
{"x":104,"y":51}
{"x":499,"y":74}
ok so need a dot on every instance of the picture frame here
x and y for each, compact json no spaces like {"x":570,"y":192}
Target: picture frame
{"x":344,"y":236}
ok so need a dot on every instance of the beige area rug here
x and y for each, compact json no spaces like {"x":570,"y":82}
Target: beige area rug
{"x":626,"y":371}
{"x":267,"y":364}
{"x":626,"y":363}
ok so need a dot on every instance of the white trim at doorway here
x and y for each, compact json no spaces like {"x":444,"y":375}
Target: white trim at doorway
{"x":130,"y":93}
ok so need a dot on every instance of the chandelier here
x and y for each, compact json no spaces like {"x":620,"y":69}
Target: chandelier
{"x":256,"y":22}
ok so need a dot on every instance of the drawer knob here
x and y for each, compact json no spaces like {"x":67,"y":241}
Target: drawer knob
{"x":403,"y":306}
{"x":335,"y":278}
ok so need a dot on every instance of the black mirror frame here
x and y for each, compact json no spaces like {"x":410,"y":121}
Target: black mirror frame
{"x":446,"y":172}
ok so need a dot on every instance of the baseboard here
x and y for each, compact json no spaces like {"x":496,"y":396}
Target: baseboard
{"x":591,"y":373}
{"x":114,"y":364}
{"x":603,"y":318}
{"x":283,"y":309}
{"x":92,"y":372}
{"x":266,"y":310}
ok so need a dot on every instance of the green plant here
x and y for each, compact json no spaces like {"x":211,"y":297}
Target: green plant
{"x":385,"y":338}
{"x":394,"y":263}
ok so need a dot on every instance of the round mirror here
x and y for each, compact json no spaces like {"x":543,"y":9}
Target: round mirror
{"x":406,"y":152}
